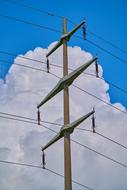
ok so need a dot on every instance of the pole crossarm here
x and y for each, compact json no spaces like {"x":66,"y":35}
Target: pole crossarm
{"x":66,"y":81}
{"x":65,"y":37}
{"x":69,"y":128}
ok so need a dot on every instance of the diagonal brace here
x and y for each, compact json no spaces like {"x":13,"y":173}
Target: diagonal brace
{"x":69,"y":128}
{"x":65,"y":37}
{"x":66,"y":80}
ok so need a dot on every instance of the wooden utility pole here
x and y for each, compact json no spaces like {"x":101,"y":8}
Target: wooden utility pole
{"x":67,"y":145}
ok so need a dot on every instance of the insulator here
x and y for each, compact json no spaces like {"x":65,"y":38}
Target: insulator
{"x":43,"y":160}
{"x":47,"y":65}
{"x":84,"y":32}
{"x":96,"y":69}
{"x":93,"y":124}
{"x":38,"y":117}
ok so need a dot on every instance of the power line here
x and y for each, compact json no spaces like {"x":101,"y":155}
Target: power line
{"x":114,"y":85}
{"x":69,"y":20}
{"x":40,"y":10}
{"x":22,"y":57}
{"x":38,"y":69}
{"x":53,"y":123}
{"x":34,"y":121}
{"x":54,"y":30}
{"x":100,"y":99}
{"x":29,"y":23}
{"x":25,"y":121}
{"x":27,"y":66}
{"x":39,"y":167}
{"x":105,"y":102}
{"x":111,"y":140}
{"x":70,"y":69}
{"x":28,"y":118}
{"x":105,"y":50}
{"x":101,"y":38}
{"x":108,"y":42}
{"x":103,"y":155}
{"x":54,"y":65}
{"x":90,"y":94}
{"x":33,"y":8}
{"x":105,"y":137}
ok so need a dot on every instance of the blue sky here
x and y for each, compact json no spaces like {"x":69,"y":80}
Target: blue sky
{"x":105,"y":18}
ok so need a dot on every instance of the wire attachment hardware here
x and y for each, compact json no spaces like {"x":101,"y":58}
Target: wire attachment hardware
{"x":93,"y":123}
{"x":84,"y":31}
{"x":96,"y":68}
{"x":38,"y":116}
{"x":47,"y":65}
{"x":43,"y":160}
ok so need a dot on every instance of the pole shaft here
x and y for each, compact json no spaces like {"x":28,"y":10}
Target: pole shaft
{"x":67,"y":145}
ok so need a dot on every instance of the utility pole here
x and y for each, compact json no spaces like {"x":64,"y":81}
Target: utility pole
{"x":63,"y":84}
{"x":67,"y":145}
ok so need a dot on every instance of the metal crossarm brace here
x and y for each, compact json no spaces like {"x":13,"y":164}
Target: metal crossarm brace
{"x":65,"y":37}
{"x":66,"y":80}
{"x":69,"y":128}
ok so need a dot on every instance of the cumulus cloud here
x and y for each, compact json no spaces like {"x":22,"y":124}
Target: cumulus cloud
{"x":23,"y":90}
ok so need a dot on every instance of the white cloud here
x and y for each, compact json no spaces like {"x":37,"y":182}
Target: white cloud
{"x":24,"y":89}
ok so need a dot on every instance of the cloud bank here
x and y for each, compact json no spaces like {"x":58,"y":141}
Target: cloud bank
{"x":21,"y":142}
